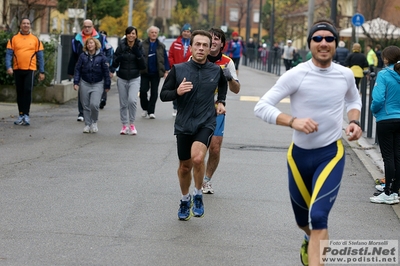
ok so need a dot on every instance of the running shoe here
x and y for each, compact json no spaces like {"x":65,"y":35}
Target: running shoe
{"x":385,"y":199}
{"x":94,"y":128}
{"x":80,"y":118}
{"x":395,"y":196}
{"x":185,"y":210}
{"x":380,"y":187}
{"x":144,"y":114}
{"x":20,"y":120}
{"x":304,"y":253}
{"x":207,"y":188}
{"x":27,"y":120}
{"x":102,"y":103}
{"x":86,"y":129}
{"x":152,"y":116}
{"x":124,"y":130}
{"x":132,"y":130}
{"x":198,"y":206}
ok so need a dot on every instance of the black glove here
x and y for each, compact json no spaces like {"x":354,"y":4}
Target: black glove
{"x":227,"y":74}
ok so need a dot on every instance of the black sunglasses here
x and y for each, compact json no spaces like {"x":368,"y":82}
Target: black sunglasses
{"x":320,"y":38}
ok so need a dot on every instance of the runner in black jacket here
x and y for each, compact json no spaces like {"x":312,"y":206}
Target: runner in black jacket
{"x":193,"y":84}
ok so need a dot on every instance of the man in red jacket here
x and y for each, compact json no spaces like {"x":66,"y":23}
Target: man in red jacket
{"x":179,"y":52}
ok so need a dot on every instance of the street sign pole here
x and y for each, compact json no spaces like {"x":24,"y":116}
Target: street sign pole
{"x":357,"y":20}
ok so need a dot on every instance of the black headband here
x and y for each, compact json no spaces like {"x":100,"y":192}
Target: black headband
{"x":322,"y":26}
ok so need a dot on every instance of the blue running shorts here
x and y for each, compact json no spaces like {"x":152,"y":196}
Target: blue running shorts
{"x":219,"y":129}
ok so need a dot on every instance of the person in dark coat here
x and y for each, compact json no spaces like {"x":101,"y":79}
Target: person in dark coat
{"x":92,"y":78}
{"x":129,"y":61}
{"x":357,"y":62}
{"x":378,"y":52}
{"x":341,"y":53}
{"x":193,"y":84}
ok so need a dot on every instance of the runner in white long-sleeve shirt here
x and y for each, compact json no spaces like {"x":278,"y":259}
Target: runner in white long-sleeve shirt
{"x":319,"y":90}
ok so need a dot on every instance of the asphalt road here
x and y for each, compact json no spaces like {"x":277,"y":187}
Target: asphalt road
{"x":68,"y":198}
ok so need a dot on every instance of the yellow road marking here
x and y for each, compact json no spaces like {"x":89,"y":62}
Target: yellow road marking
{"x":250,"y":98}
{"x":256,"y":99}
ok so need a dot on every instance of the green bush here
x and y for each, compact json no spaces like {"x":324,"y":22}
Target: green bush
{"x":50,"y":55}
{"x":5,"y":79}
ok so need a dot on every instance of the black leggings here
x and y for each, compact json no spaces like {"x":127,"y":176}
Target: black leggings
{"x":388,"y":132}
{"x":24,"y":86}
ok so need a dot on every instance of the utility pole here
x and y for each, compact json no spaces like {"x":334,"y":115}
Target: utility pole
{"x":310,"y":14}
{"x":85,"y":9}
{"x":248,"y":26}
{"x":272,"y":24}
{"x":259,"y":22}
{"x":130,"y":13}
{"x":224,"y":16}
{"x":334,"y":12}
{"x":353,"y":32}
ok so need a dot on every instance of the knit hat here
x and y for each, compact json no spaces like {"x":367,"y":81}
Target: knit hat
{"x":186,"y":27}
{"x":235,"y":34}
{"x":323,"y":26}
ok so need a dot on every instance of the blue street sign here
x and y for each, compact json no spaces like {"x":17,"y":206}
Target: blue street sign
{"x":357,"y":20}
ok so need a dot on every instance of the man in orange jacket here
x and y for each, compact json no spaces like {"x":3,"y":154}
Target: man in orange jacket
{"x":24,"y":49}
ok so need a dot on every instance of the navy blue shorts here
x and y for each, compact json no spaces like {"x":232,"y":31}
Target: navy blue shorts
{"x":314,"y":181}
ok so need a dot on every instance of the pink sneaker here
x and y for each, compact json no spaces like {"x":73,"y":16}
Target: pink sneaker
{"x":124,"y":130}
{"x":133,"y":130}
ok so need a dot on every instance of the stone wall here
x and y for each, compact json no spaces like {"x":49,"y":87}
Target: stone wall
{"x":58,"y":93}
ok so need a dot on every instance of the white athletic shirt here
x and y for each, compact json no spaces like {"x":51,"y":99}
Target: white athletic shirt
{"x":317,"y":93}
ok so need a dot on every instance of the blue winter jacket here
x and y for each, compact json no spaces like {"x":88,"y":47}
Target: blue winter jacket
{"x":92,"y":69}
{"x":235,"y":49}
{"x":386,"y":95}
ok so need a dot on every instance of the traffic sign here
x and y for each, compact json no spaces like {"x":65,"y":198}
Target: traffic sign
{"x":357,"y":20}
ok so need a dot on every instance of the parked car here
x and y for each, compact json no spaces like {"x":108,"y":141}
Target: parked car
{"x":167,"y":42}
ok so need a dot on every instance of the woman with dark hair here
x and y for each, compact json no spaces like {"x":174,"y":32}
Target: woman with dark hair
{"x":92,"y":78}
{"x":386,"y":109}
{"x":128,"y":58}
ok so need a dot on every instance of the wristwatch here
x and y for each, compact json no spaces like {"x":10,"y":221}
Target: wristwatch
{"x":355,"y":122}
{"x":221,"y":101}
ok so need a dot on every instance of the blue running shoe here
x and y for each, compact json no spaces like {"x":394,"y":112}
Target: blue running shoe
{"x":198,"y":206}
{"x":27,"y":120}
{"x":20,"y":120}
{"x":185,"y":210}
